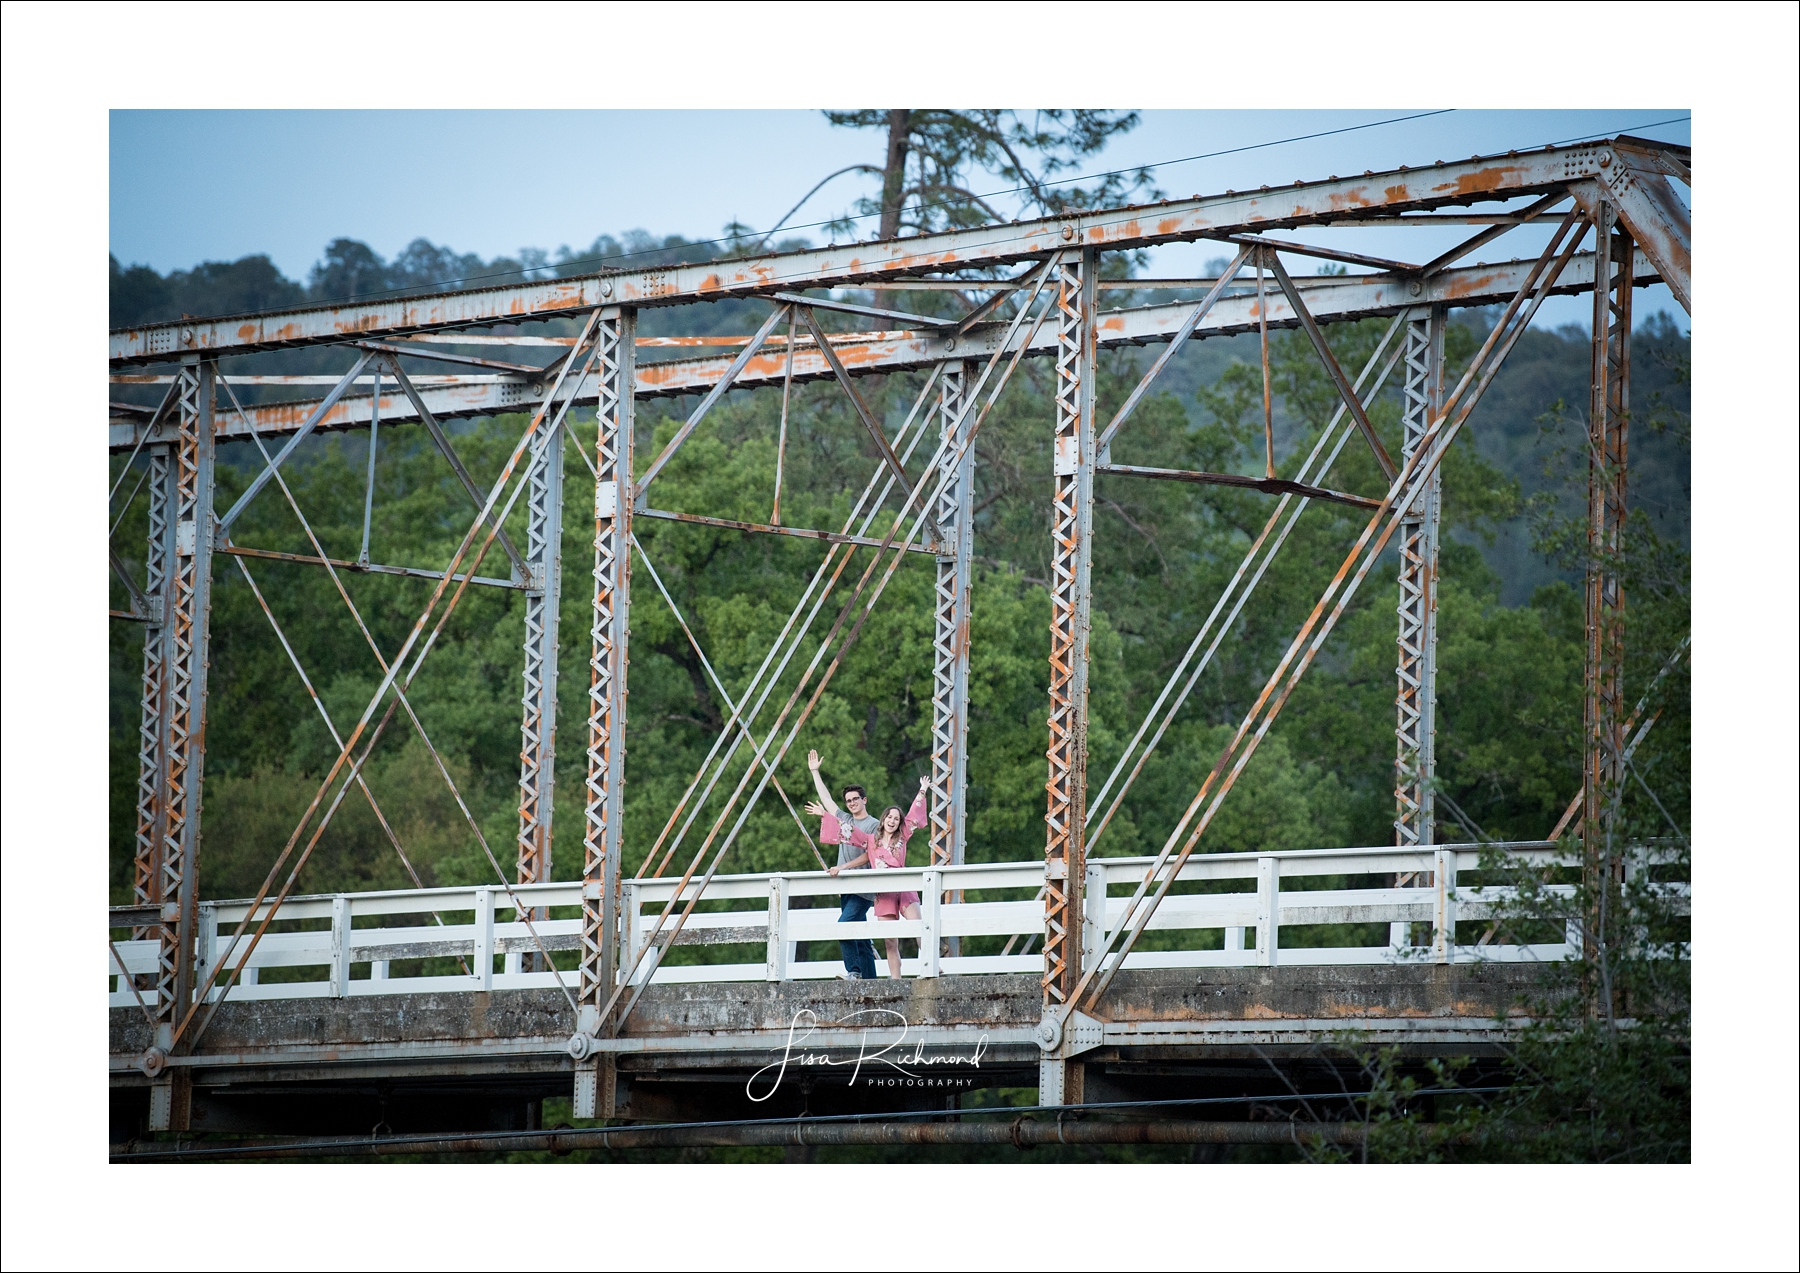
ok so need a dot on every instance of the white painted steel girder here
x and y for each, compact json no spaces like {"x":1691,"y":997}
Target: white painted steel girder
{"x":1343,"y":299}
{"x":1462,"y":183}
{"x":1415,"y":666}
{"x":537,"y":731}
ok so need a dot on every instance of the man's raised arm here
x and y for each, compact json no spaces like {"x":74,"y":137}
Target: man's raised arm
{"x":825,"y":800}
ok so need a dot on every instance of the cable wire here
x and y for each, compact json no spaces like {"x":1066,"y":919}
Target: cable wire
{"x":993,"y":194}
{"x":813,"y":225}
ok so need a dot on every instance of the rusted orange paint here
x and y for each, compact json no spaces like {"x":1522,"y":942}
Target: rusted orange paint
{"x":1466,"y":284}
{"x":1483,"y":180}
{"x":1351,"y":198}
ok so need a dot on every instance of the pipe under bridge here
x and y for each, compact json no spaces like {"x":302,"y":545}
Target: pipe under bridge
{"x":458,"y":1009}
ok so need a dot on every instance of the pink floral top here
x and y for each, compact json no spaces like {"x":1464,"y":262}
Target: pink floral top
{"x":893,"y":857}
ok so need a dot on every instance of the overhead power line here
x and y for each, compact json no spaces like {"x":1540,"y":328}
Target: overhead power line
{"x":1161,"y":163}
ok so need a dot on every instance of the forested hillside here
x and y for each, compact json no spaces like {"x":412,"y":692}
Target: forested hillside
{"x":1510,"y":621}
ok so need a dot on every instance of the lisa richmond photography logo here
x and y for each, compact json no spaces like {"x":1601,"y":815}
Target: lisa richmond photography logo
{"x":881,"y":1047}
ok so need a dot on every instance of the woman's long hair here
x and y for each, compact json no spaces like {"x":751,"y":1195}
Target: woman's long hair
{"x":881,"y":834}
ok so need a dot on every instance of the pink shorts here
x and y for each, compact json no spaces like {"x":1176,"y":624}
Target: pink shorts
{"x":889,"y":905}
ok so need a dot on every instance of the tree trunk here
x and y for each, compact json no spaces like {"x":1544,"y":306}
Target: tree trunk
{"x":893,"y":175}
{"x":893,"y":195}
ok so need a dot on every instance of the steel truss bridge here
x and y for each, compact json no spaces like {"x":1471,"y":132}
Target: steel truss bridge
{"x":199,"y":1042}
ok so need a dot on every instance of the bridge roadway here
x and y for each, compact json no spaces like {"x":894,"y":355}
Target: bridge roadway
{"x":483,"y":1061}
{"x":356,"y":1048}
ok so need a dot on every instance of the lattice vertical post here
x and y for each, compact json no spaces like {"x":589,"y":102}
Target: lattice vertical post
{"x":1065,"y":858}
{"x":186,"y":613}
{"x":950,"y":636}
{"x":1416,"y":668}
{"x":602,"y":831}
{"x":153,"y":718}
{"x":543,"y":597}
{"x":1609,"y":413}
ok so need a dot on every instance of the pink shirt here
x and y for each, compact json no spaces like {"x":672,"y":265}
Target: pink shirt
{"x":894,"y":856}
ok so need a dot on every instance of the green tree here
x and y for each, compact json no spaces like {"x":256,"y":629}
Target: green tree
{"x":931,"y":155}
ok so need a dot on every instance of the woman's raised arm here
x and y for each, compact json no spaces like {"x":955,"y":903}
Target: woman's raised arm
{"x":915,"y":816}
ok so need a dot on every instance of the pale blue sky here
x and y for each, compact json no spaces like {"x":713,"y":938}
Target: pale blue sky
{"x":493,"y":182}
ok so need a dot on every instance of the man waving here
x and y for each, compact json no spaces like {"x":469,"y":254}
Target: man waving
{"x":859,"y":953}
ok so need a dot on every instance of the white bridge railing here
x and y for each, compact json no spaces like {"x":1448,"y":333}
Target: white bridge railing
{"x":351,"y":958}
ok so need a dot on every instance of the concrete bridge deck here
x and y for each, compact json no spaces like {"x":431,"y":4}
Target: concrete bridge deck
{"x":469,"y":1061}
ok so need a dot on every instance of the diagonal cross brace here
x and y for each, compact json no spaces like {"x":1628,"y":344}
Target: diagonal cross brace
{"x":140,"y":605}
{"x":442,"y":440}
{"x":707,"y":403}
{"x":1439,"y":263}
{"x":1200,"y":311}
{"x":312,"y":422}
{"x":1338,"y":378}
{"x":863,"y":413}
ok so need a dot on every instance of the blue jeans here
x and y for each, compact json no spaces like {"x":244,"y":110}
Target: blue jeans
{"x":859,"y":954}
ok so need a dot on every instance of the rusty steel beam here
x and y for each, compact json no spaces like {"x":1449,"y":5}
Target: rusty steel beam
{"x":1650,"y":210}
{"x":1609,"y":414}
{"x":1459,"y":184}
{"x":153,"y":719}
{"x":188,"y":603}
{"x":1267,"y":485}
{"x":1375,"y":295}
{"x":603,"y":825}
{"x":870,"y":424}
{"x":1416,"y":665}
{"x":537,"y":728}
{"x":1336,"y":372}
{"x":761,"y":528}
{"x":1021,"y":1133}
{"x":950,"y":626}
{"x":1071,"y":594}
{"x":364,"y":567}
